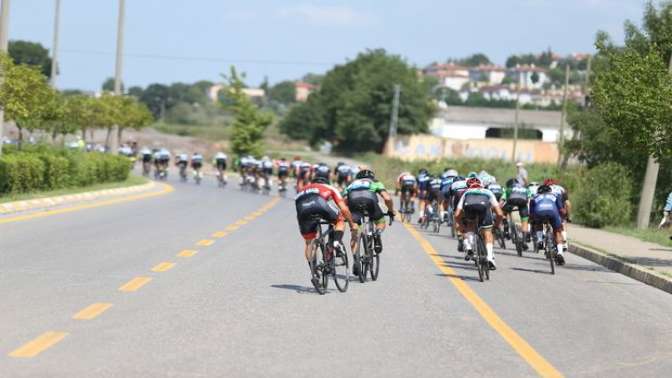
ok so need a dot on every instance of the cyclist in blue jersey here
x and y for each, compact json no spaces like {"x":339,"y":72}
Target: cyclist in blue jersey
{"x":548,"y":207}
{"x":423,"y":182}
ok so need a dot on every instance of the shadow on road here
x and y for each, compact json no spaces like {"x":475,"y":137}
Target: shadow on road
{"x":298,"y":288}
{"x":548,"y":271}
{"x":461,"y":277}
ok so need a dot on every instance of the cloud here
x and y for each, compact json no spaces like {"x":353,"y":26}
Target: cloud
{"x":325,"y":15}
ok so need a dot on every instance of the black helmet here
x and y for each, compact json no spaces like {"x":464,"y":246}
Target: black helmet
{"x":544,"y":189}
{"x":510,"y":183}
{"x":320,"y":180}
{"x":422,"y":171}
{"x":366,"y":173}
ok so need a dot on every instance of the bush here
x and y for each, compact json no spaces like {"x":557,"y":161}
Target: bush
{"x":46,"y":168}
{"x":603,"y":196}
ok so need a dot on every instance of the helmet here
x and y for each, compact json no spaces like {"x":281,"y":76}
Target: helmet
{"x":265,"y":158}
{"x":544,"y":189}
{"x":452,"y":173}
{"x":550,"y":181}
{"x":511,"y":182}
{"x":474,"y":182}
{"x":422,"y":171}
{"x":366,"y":173}
{"x":320,"y":180}
{"x":472,"y":175}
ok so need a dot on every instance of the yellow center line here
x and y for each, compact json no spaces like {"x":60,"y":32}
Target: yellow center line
{"x":135,"y":284}
{"x":249,"y":218}
{"x":232,"y":227}
{"x":205,"y":242}
{"x":525,"y":350}
{"x":241,"y":222}
{"x":219,"y":234}
{"x":166,"y":189}
{"x":186,"y":253}
{"x":92,"y":311}
{"x":258,"y":213}
{"x":164,"y":266}
{"x":38,"y":345}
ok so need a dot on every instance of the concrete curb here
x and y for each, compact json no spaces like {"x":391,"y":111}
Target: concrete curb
{"x":49,"y":202}
{"x":623,"y":266}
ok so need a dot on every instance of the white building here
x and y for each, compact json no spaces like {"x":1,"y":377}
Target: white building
{"x":488,"y":74}
{"x":524,"y":76}
{"x":449,"y":75}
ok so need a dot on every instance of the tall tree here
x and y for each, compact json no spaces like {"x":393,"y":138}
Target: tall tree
{"x":32,"y":54}
{"x":283,"y":92}
{"x":249,"y":123}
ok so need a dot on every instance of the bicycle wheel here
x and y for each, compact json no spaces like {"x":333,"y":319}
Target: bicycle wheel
{"x":549,"y":251}
{"x":518,"y":241}
{"x":361,"y":257}
{"x":484,"y":260}
{"x":316,"y":275}
{"x":341,"y":270}
{"x":374,"y":263}
{"x":479,"y":260}
{"x":500,"y":238}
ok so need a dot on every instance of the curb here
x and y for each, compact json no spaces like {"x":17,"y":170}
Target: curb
{"x":49,"y":202}
{"x":623,"y":266}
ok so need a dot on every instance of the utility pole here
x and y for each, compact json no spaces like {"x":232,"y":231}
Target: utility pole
{"x":4,"y":42}
{"x":563,"y":115}
{"x":649,"y":188}
{"x":114,"y":143}
{"x":394,"y":119}
{"x":515,"y":125}
{"x":54,"y":46}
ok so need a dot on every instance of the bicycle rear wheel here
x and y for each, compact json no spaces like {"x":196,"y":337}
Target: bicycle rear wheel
{"x":518,"y":241}
{"x":374,"y":263}
{"x":318,"y":263}
{"x":479,"y":259}
{"x":361,"y":257}
{"x":549,"y":251}
{"x":341,"y":270}
{"x":483,"y":253}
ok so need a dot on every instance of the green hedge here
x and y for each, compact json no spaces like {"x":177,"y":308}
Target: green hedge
{"x":603,"y":198}
{"x":41,"y":169}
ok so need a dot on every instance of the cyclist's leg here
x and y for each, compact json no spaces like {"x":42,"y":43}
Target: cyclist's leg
{"x":524,"y":213}
{"x":486,"y":232}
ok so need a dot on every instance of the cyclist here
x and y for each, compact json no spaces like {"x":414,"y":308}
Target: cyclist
{"x":164,"y":160}
{"x":408,"y":187}
{"x":363,"y":194}
{"x":219,"y":161}
{"x":302,"y":175}
{"x":146,"y":156}
{"x":296,"y":163}
{"x":479,"y":203}
{"x":343,"y":174}
{"x":516,"y":195}
{"x":319,"y":199}
{"x":182,"y":162}
{"x":423,"y":181}
{"x":561,"y":192}
{"x":322,"y":170}
{"x":457,"y":189}
{"x":434,"y":195}
{"x":283,"y":172}
{"x":196,"y":165}
{"x":447,"y":178}
{"x":266,"y":171}
{"x":546,"y":206}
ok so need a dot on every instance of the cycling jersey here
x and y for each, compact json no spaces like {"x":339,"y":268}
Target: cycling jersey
{"x":368,"y":184}
{"x":546,"y":207}
{"x":314,"y":202}
{"x":322,"y":170}
{"x":407,"y":182}
{"x":497,"y":190}
{"x":362,"y":196}
{"x":477,"y":203}
{"x":283,"y":168}
{"x":343,"y":171}
{"x":423,"y":181}
{"x":434,"y":189}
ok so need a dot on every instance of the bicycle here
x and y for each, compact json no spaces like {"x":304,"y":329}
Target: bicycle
{"x":515,"y":233}
{"x":481,"y":256}
{"x":550,"y":248}
{"x":198,"y":176}
{"x":406,"y":209}
{"x":221,"y":178}
{"x":328,"y":263}
{"x":146,"y":168}
{"x":183,"y":172}
{"x":369,"y":261}
{"x":450,"y":221}
{"x":435,"y":216}
{"x":500,"y":236}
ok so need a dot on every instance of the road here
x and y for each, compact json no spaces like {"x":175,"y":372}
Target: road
{"x":126,"y":290}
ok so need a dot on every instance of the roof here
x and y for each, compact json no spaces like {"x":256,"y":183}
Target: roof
{"x":488,"y":68}
{"x":527,"y":68}
{"x":302,"y":84}
{"x":502,"y":117}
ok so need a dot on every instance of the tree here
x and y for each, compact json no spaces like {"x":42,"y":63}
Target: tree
{"x":355,"y":103}
{"x":25,"y":95}
{"x":132,"y":114}
{"x":283,"y":92}
{"x":108,"y":85}
{"x":632,"y":91}
{"x":534,"y":77}
{"x":249,"y":122}
{"x":473,"y":60}
{"x":32,"y":54}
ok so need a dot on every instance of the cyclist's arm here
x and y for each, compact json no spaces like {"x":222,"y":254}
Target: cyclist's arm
{"x":388,"y":200}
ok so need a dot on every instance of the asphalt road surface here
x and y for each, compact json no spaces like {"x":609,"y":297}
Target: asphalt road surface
{"x":203,"y":281}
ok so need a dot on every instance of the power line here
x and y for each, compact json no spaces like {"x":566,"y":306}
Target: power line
{"x":199,"y":59}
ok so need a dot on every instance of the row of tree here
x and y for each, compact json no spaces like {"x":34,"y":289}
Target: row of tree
{"x":33,"y":105}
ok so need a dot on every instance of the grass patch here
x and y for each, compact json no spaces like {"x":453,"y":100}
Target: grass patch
{"x":130,"y":181}
{"x":207,"y":132}
{"x":652,"y":235}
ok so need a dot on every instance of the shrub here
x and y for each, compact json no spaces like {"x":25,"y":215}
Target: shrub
{"x":21,"y":173}
{"x":56,"y":175}
{"x":603,"y":196}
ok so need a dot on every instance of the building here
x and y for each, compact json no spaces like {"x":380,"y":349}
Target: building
{"x":524,"y":76}
{"x":303,"y":90}
{"x":450,"y":75}
{"x":252,"y":93}
{"x":488,"y":74}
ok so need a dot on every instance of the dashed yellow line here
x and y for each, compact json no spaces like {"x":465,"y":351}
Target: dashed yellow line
{"x":219,"y":234}
{"x":92,"y":311}
{"x":166,"y":189}
{"x":38,"y":345}
{"x":522,"y":347}
{"x":186,"y":253}
{"x":232,"y":227}
{"x":205,"y":242}
{"x":135,"y":284}
{"x":241,"y":222}
{"x":162,"y":267}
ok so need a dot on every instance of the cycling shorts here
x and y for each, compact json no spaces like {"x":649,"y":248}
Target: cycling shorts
{"x":267,"y":171}
{"x":434,"y":195}
{"x":283,"y":172}
{"x":548,"y":215}
{"x":146,"y":158}
{"x":310,"y":210}
{"x":477,"y":207}
{"x":365,"y":201}
{"x":523,"y":211}
{"x":220,"y":164}
{"x":196,"y":165}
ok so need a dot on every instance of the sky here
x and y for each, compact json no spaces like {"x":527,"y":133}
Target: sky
{"x":189,"y":40}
